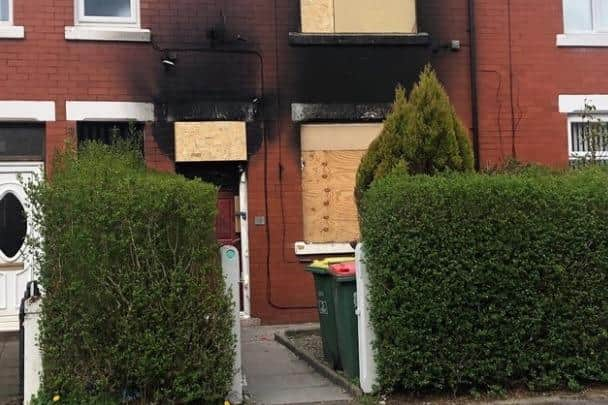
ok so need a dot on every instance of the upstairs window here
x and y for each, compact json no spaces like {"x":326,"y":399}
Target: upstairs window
{"x":585,"y":16}
{"x":116,"y":12}
{"x":358,"y":16}
{"x":6,"y":12}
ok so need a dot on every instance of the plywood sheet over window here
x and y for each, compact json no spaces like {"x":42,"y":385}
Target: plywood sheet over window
{"x":358,"y":16}
{"x":210,"y":141}
{"x":330,"y":158}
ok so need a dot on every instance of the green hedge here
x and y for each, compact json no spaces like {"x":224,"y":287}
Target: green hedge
{"x":486,"y":282}
{"x":135,"y":305}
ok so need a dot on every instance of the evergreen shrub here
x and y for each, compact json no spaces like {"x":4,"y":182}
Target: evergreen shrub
{"x":421,"y":134}
{"x":135,"y":306}
{"x":488,"y":282}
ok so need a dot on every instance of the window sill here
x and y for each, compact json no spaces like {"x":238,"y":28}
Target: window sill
{"x":312,"y":249}
{"x":12,"y":32}
{"x":582,"y":40}
{"x":100,"y":33}
{"x":363,"y":39}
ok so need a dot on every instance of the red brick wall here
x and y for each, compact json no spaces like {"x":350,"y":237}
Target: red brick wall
{"x":45,"y":66}
{"x":540,"y":72}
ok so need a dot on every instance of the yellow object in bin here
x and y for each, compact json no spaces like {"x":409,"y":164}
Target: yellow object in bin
{"x":323,"y":265}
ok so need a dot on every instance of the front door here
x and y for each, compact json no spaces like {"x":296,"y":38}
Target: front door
{"x":15,"y":225}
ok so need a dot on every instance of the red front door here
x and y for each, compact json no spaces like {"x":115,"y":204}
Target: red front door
{"x":225,"y":223}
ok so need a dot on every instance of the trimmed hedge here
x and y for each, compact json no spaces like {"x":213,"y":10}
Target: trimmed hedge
{"x":135,"y":306}
{"x":486,"y":282}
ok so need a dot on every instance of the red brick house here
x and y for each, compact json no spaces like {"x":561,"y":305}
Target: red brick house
{"x":276,"y":100}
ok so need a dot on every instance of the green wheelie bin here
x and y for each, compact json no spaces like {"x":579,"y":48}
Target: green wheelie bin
{"x":345,"y":301}
{"x":324,"y":287}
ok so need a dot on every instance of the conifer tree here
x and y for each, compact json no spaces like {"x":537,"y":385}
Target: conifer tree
{"x":422,"y":134}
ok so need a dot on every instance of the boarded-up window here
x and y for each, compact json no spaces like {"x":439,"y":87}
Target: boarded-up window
{"x":358,"y":16}
{"x":330,"y":158}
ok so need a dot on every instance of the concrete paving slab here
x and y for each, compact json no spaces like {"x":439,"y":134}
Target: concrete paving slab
{"x":275,"y":376}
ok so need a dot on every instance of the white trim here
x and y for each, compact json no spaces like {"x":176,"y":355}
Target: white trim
{"x":582,"y":39}
{"x":27,"y":111}
{"x":307,"y":249}
{"x":11,"y":31}
{"x":105,"y":33}
{"x":575,"y":103}
{"x":245,"y":263}
{"x":109,"y":111}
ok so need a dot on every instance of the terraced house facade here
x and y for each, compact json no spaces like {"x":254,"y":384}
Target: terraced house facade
{"x":275,"y":101}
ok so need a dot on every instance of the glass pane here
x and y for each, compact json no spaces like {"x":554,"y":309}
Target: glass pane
{"x":13,"y":225}
{"x":3,"y":10}
{"x":577,"y":15}
{"x":601,"y":18}
{"x":21,"y":142}
{"x":107,"y":8}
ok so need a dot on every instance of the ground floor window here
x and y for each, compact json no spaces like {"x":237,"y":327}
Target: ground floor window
{"x":331,"y":154}
{"x":21,"y":142}
{"x":107,"y":132}
{"x":588,"y":136}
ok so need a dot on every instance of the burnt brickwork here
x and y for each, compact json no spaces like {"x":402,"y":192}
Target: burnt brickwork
{"x":45,"y":66}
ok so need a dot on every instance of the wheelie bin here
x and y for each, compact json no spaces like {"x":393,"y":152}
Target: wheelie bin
{"x":345,"y":301}
{"x":324,"y":287}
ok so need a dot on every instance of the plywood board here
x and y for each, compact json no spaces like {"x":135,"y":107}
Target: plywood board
{"x":375,"y":16}
{"x":328,"y":183}
{"x":338,"y":136}
{"x":317,"y":16}
{"x":210,"y":141}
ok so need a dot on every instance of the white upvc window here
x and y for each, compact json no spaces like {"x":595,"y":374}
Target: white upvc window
{"x":6,"y":12}
{"x":107,"y":20}
{"x":7,"y":29}
{"x":585,"y":23}
{"x":587,"y":134}
{"x":585,"y":16}
{"x":107,"y":12}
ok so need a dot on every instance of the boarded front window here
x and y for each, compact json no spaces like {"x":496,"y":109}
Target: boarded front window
{"x":21,"y":142}
{"x":331,"y":155}
{"x":13,"y":225}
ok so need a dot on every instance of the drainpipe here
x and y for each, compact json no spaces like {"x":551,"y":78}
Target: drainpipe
{"x":244,"y":216}
{"x":474,"y":96}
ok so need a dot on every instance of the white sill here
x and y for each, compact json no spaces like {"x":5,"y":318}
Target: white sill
{"x":12,"y":32}
{"x":306,"y":249}
{"x":101,"y":33}
{"x":583,"y":40}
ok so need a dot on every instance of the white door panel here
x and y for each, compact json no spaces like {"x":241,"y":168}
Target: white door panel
{"x":16,"y":265}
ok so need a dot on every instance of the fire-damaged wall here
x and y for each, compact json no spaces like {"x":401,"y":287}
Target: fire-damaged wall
{"x":262,"y":88}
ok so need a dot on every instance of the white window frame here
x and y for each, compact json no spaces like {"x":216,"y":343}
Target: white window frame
{"x":574,"y":118}
{"x":7,"y":28}
{"x":596,"y":37}
{"x":9,"y":22}
{"x":83,"y":20}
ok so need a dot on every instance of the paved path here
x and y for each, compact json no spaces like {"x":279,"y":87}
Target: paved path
{"x":9,"y":367}
{"x":276,"y":376}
